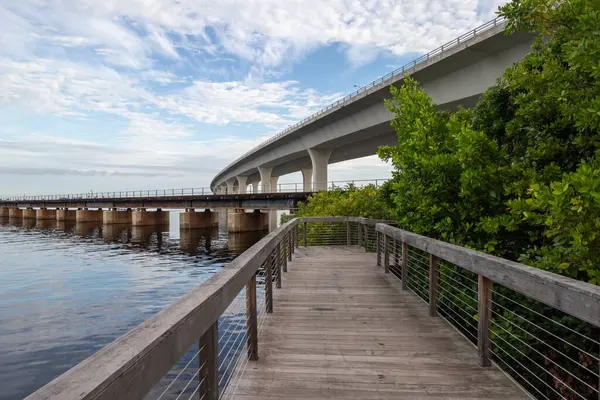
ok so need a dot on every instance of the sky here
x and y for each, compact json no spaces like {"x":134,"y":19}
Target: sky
{"x":106,"y":95}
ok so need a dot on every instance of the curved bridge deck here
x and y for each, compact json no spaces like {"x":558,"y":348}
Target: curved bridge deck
{"x":342,"y":329}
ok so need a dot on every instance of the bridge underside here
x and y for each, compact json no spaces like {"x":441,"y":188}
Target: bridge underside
{"x":357,"y":129}
{"x":342,"y":329}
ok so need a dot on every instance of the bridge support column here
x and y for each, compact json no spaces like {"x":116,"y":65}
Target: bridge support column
{"x":241,"y":221}
{"x":265,"y":179}
{"x":4,"y":212}
{"x":29,"y":213}
{"x":272,"y":220}
{"x":141,"y":217}
{"x":320,"y":160}
{"x":45,"y":214}
{"x":15,"y":213}
{"x":307,"y":179}
{"x":274,"y":180}
{"x":65,"y":215}
{"x":189,"y":219}
{"x":114,"y":216}
{"x":86,"y":215}
{"x":242,"y":184}
{"x":230,"y":187}
{"x":255,"y":187}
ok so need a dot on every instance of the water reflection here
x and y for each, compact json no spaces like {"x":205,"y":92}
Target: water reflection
{"x":15,"y":221}
{"x":241,"y":241}
{"x":116,"y":233}
{"x":147,"y":236}
{"x":66,"y":226}
{"x":67,"y":288}
{"x":88,"y":229}
{"x":28,"y":223}
{"x":46,"y":224}
{"x":193,"y":241}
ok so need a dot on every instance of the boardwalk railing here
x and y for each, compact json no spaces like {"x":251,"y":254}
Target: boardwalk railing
{"x":541,"y":328}
{"x":154,"y":193}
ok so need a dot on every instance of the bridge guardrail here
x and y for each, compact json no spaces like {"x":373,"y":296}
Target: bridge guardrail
{"x":540,"y":328}
{"x":377,"y":83}
{"x":153,"y":193}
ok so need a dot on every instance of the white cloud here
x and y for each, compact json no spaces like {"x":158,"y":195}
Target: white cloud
{"x":118,"y":59}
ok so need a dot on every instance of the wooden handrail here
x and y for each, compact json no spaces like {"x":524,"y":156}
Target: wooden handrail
{"x":577,"y":298}
{"x":130,"y":366}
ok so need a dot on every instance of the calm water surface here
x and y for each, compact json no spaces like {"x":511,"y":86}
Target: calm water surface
{"x":67,"y":290}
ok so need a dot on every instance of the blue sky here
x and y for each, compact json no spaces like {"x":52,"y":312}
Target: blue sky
{"x":142,"y":94}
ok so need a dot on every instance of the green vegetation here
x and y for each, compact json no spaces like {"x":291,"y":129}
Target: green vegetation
{"x":518,"y":176}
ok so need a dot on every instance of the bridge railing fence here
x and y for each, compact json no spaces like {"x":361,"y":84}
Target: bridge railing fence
{"x":162,"y":193}
{"x":542,"y":329}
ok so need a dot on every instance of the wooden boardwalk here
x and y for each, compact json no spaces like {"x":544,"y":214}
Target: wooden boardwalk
{"x":342,"y":329}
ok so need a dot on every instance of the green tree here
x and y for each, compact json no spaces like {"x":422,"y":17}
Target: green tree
{"x":349,"y":201}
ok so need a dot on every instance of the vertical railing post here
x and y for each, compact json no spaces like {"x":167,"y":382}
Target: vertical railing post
{"x":366,"y":241}
{"x":404,"y":272}
{"x":293,"y":240}
{"x":278,"y":266}
{"x":305,"y":235}
{"x":484,"y":307}
{"x":251,"y":324}
{"x":378,"y":250}
{"x":208,"y":347}
{"x":360,"y":233}
{"x":386,"y":255}
{"x":284,"y":255}
{"x":269,"y":284}
{"x":297,"y":235}
{"x":348,"y":235}
{"x":289,"y":245}
{"x":434,"y":266}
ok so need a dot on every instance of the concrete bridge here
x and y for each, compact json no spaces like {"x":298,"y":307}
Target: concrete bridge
{"x":455,"y":74}
{"x":351,"y":308}
{"x":147,"y":207}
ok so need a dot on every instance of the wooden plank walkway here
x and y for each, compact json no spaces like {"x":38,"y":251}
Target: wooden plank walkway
{"x":342,"y":329}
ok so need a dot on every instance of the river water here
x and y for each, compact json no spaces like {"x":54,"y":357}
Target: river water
{"x":67,"y":290}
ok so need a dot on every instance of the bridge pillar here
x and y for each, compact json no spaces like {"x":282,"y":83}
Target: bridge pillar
{"x":4,"y":212}
{"x":265,"y":179}
{"x":45,"y":214}
{"x":189,"y":219}
{"x":86,"y":215}
{"x":307,"y":179}
{"x":141,"y":217}
{"x":230,"y":188}
{"x":242,"y":184}
{"x":241,"y":221}
{"x":15,"y":213}
{"x":272,"y":220}
{"x":65,"y":215}
{"x":29,"y":213}
{"x":320,"y":160}
{"x":274,"y":180}
{"x":113,"y":216}
{"x":255,"y":187}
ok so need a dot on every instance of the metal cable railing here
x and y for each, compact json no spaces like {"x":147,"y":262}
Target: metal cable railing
{"x":377,"y":84}
{"x":162,"y":193}
{"x":551,"y":353}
